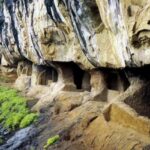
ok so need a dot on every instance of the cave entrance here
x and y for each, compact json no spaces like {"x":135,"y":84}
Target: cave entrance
{"x":117,"y":80}
{"x":81,"y":78}
{"x":54,"y":75}
{"x":48,"y":75}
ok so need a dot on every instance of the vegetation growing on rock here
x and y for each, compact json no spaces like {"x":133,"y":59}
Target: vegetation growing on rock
{"x":28,"y":119}
{"x":51,"y":141}
{"x":14,"y":112}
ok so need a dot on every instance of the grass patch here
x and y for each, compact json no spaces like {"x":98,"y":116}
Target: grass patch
{"x":14,"y":112}
{"x":51,"y":141}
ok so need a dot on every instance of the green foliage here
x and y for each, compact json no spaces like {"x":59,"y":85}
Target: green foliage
{"x":51,"y":141}
{"x":28,"y":119}
{"x":13,"y":110}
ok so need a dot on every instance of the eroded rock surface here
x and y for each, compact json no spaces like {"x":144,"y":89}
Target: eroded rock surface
{"x":97,"y":33}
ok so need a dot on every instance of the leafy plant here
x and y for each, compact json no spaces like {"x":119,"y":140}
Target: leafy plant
{"x":28,"y":119}
{"x":14,"y":112}
{"x":51,"y":141}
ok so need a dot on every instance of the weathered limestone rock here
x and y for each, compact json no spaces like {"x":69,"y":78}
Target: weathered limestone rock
{"x":98,"y":84}
{"x":9,"y":71}
{"x":24,"y":67}
{"x":4,"y":61}
{"x":23,"y":83}
{"x":92,"y":34}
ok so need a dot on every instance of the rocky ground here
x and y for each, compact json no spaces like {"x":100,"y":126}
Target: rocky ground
{"x":91,"y":125}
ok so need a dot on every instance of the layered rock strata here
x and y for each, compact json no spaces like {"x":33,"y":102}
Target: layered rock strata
{"x":93,"y":34}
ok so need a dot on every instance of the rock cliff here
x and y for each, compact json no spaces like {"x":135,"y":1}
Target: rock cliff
{"x":97,"y":33}
{"x":86,"y":62}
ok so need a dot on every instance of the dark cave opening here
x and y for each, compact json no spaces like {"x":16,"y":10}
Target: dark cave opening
{"x":54,"y":75}
{"x":117,"y":80}
{"x":81,"y":78}
{"x":78,"y":76}
{"x":48,"y":75}
{"x":86,"y":85}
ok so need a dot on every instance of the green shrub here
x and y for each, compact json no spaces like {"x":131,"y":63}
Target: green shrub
{"x":51,"y":141}
{"x":14,"y":112}
{"x":28,"y":119}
